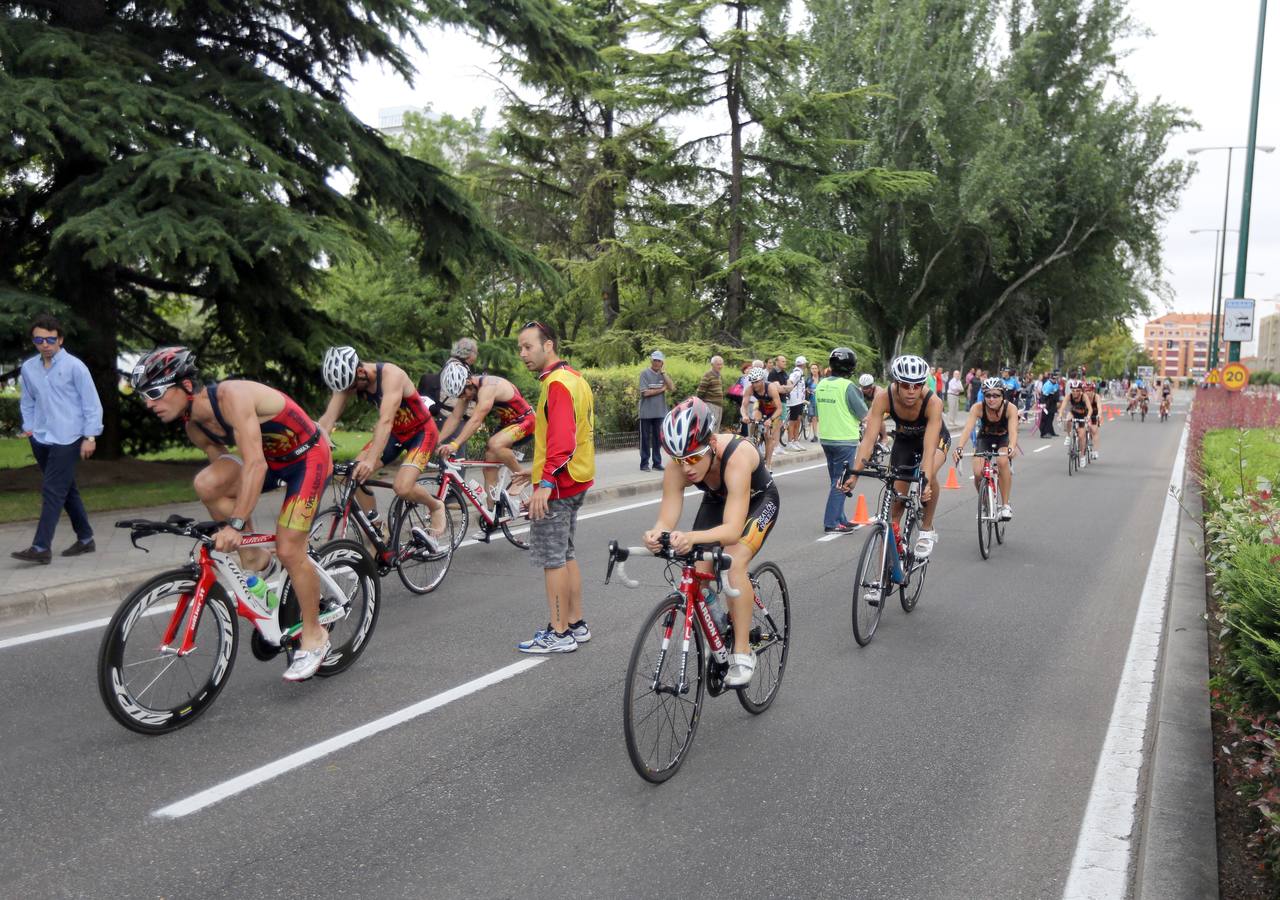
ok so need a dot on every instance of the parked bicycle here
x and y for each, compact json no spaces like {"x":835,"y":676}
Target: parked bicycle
{"x":421,"y":561}
{"x":168,"y":650}
{"x":663,"y":696}
{"x":886,"y":563}
{"x":459,"y":494}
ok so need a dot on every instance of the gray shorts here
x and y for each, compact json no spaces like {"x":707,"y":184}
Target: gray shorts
{"x":551,"y":537}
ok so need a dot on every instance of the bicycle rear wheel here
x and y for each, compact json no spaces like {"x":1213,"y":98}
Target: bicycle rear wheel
{"x":354,"y":614}
{"x":770,"y":637}
{"x":420,"y":568}
{"x":659,"y":717}
{"x":151,"y":691}
{"x":870,"y":584}
{"x":984,"y":522}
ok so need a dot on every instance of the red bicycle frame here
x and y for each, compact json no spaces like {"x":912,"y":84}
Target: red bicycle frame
{"x":189,"y":606}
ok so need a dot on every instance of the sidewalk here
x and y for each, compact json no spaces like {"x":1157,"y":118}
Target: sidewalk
{"x":104,"y":577}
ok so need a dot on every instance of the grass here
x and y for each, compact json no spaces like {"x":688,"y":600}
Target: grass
{"x":16,"y":506}
{"x":1235,"y":456}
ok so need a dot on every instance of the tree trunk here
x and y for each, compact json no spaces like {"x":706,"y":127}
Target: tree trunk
{"x":735,"y":295}
{"x":91,"y":295}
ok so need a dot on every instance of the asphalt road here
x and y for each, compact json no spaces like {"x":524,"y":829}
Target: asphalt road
{"x":950,"y":758}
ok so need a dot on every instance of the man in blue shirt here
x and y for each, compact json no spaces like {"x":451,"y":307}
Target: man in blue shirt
{"x":62,"y":417}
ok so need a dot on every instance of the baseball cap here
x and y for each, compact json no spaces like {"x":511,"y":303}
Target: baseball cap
{"x":657,"y":354}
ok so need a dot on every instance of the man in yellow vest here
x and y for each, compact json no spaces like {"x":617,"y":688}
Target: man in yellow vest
{"x":841,"y":409}
{"x":563,"y":468}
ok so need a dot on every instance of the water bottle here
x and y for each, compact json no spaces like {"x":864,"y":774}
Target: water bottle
{"x":475,"y":487}
{"x":267,"y":597}
{"x":719,"y":614}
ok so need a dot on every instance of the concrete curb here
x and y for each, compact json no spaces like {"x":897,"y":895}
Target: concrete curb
{"x":1179,"y":847}
{"x":95,"y":592}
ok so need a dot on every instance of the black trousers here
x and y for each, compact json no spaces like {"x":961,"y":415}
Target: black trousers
{"x":1051,"y":411}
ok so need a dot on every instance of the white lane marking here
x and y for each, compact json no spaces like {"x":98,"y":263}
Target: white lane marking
{"x":1103,"y":856}
{"x":1041,"y":449}
{"x":72,"y":629}
{"x":230,"y":788}
{"x":102,"y":623}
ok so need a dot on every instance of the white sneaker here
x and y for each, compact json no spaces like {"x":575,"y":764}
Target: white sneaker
{"x":1006,"y":513}
{"x":780,"y":450}
{"x":1095,"y":454}
{"x":925,"y":542}
{"x":795,"y":445}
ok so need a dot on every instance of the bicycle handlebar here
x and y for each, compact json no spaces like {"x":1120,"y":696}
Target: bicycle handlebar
{"x":619,"y":555}
{"x":181,"y":526}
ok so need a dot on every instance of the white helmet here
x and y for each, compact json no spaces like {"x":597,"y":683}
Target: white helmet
{"x":909,"y":370}
{"x":992,"y":384}
{"x":865,"y":380}
{"x":1075,"y":384}
{"x":754,"y":374}
{"x":339,"y":368}
{"x":453,"y":378}
{"x":686,"y":429}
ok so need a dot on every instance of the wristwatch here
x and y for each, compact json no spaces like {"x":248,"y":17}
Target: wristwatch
{"x":549,"y":485}
{"x":236,"y":523}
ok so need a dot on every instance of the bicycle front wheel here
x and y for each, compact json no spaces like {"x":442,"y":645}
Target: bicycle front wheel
{"x":328,"y":525}
{"x":999,"y":523}
{"x":770,"y":637}
{"x":506,"y":515}
{"x":420,"y":565}
{"x":662,"y":698}
{"x":455,"y":507}
{"x":870,"y":584}
{"x":913,"y":570}
{"x":146,"y":686}
{"x":984,"y":522}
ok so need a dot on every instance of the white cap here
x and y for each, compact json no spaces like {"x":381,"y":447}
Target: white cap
{"x":657,"y":354}
{"x":800,"y":361}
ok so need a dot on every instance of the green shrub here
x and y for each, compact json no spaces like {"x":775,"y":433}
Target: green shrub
{"x":1234,"y":458}
{"x":10,"y":416}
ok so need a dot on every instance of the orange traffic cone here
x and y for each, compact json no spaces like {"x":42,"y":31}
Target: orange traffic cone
{"x":860,"y":511}
{"x":953,"y":483}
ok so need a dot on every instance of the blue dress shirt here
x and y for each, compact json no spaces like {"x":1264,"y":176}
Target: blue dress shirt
{"x":59,"y":404}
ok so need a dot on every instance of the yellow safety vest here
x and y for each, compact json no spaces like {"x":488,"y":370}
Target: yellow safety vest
{"x":582,"y":464}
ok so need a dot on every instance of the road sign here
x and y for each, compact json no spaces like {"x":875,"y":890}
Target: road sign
{"x":1146,"y":372}
{"x":1235,"y":376}
{"x":1215,"y":376}
{"x":1237,"y":320}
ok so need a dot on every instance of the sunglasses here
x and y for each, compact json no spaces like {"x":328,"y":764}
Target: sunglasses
{"x":542,"y":330}
{"x":155,"y":393}
{"x":692,"y":457}
{"x":45,"y":340}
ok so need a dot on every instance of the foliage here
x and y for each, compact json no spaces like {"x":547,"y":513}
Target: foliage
{"x":1250,"y":760}
{"x":10,"y":416}
{"x":1234,"y":459}
{"x":1107,"y":350}
{"x":1215,"y":408}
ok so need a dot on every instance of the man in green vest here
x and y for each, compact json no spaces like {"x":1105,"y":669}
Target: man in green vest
{"x":841,"y":410}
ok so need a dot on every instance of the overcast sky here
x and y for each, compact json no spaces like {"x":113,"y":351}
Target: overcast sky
{"x":1199,"y":56}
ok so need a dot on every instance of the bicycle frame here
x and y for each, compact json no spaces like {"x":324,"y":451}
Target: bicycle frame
{"x":451,"y":473}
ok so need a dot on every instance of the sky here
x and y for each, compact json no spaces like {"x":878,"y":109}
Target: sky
{"x":1194,"y":55}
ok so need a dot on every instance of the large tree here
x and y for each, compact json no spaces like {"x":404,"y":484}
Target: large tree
{"x":186,"y":150}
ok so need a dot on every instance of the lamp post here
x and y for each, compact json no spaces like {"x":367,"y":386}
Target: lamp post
{"x":1242,"y":252}
{"x":1215,"y":287}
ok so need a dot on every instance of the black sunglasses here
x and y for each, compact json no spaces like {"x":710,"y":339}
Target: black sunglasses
{"x":542,"y":330}
{"x":45,"y":340}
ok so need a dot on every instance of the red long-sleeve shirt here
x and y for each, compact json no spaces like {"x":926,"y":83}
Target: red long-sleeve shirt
{"x":562,"y":440}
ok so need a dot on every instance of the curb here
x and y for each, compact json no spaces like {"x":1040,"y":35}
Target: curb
{"x":1178,"y":855}
{"x":69,"y":597}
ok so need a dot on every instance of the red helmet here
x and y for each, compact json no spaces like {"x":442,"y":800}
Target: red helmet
{"x":687,"y":428}
{"x":163,"y":367}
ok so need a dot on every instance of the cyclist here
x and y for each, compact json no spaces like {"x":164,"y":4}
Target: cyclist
{"x":404,"y":426}
{"x":867,"y":385}
{"x":919,"y":438}
{"x":739,"y":508}
{"x":1143,"y":398}
{"x":1095,"y":417}
{"x":768,"y":400}
{"x":997,"y":421}
{"x":488,"y":393}
{"x":1078,"y":408}
{"x":278,"y":444}
{"x":1166,"y":396}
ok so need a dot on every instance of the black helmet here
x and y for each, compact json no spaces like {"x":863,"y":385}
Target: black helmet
{"x":164,"y":367}
{"x":843,"y":361}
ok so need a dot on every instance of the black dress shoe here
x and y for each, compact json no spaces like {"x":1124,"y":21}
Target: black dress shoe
{"x":31,"y":554}
{"x":80,"y":547}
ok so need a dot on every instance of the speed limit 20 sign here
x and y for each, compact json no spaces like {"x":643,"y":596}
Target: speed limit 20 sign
{"x":1235,"y":376}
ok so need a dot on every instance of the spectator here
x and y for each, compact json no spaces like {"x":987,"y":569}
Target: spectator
{"x":841,"y":405}
{"x":735,"y":394}
{"x":711,"y":391}
{"x":1050,"y":395}
{"x":778,"y":375}
{"x":654,"y":385}
{"x":955,"y":387}
{"x":810,"y":388}
{"x":795,"y":399}
{"x":62,"y":418}
{"x":563,"y":469}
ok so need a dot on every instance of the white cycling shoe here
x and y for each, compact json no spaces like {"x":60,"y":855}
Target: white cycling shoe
{"x":1006,"y":513}
{"x":741,"y":667}
{"x":306,"y":663}
{"x":925,"y":543}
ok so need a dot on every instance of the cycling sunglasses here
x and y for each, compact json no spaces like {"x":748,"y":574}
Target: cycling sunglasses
{"x":155,"y":392}
{"x":692,"y":457}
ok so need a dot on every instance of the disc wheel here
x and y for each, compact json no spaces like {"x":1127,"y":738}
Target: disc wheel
{"x":770,"y":637}
{"x":870,"y":584}
{"x":351,"y":614}
{"x":659,"y":718}
{"x":148,"y":688}
{"x":420,"y":566}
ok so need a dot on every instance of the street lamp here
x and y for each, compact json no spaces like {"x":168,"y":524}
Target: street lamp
{"x":1215,"y":286}
{"x":1226,"y":200}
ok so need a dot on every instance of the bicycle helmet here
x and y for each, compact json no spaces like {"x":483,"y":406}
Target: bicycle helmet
{"x":843,"y":361}
{"x":909,"y":370}
{"x":453,"y":378}
{"x":1075,"y":384}
{"x":164,"y":367}
{"x":864,"y":380}
{"x":754,"y":374}
{"x":339,"y":368}
{"x":686,"y":429}
{"x":992,"y":384}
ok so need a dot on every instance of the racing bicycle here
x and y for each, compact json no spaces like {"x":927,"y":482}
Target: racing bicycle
{"x":886,"y":563}
{"x":458,"y":494}
{"x":168,"y":650}
{"x":420,"y":560}
{"x":664,"y":691}
{"x":989,"y":502}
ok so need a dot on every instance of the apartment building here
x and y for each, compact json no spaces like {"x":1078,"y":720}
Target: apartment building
{"x":1269,"y":343}
{"x":1178,"y":343}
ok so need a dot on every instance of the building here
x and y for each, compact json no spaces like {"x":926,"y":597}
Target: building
{"x":1269,"y":343}
{"x":391,"y":118}
{"x":1178,"y":344}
